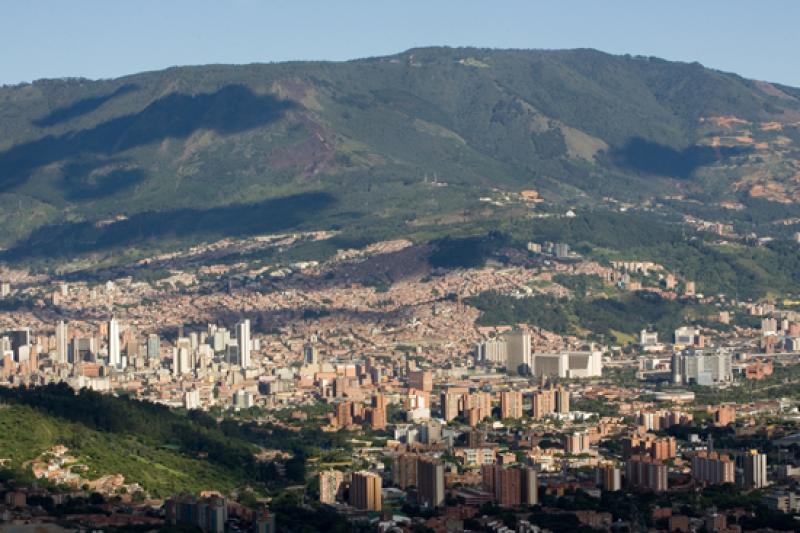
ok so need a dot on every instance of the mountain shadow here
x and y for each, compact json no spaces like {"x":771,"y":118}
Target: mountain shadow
{"x":231,"y":109}
{"x":643,"y":156}
{"x":99,"y":178}
{"x":269,"y":216}
{"x":81,"y":107}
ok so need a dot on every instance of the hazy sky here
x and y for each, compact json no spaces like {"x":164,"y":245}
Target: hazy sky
{"x":108,"y":38}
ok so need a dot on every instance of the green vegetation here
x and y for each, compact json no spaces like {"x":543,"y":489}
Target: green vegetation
{"x":627,"y":313}
{"x":25,"y":433}
{"x":163,"y":450}
{"x":401,"y":145}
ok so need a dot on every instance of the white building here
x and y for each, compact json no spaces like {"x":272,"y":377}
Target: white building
{"x":518,"y":352}
{"x":583,"y":364}
{"x":62,"y":351}
{"x":702,"y":368}
{"x":492,"y":350}
{"x":243,"y":342}
{"x":114,"y":357}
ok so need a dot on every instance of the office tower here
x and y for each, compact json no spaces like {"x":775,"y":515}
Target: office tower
{"x":310,"y":355}
{"x":153,"y":346}
{"x":181,"y":363}
{"x":20,"y":340}
{"x":330,"y":486}
{"x":430,"y":482}
{"x":518,"y":352}
{"x":754,"y":466}
{"x":243,"y":342}
{"x":675,"y":367}
{"x":220,"y":339}
{"x":511,"y":404}
{"x":114,"y":357}
{"x":365,"y":491}
{"x":62,"y":350}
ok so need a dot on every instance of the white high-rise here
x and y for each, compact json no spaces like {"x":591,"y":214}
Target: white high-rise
{"x":243,"y":342}
{"x":518,"y":352}
{"x":62,"y":353}
{"x":181,"y":357}
{"x":114,"y":358}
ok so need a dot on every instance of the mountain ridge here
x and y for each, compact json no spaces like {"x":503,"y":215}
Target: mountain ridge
{"x":374,"y":133}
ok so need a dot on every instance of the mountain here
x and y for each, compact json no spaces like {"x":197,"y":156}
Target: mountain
{"x":389,"y":145}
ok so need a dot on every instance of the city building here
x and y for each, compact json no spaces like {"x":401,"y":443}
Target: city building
{"x":518,"y":352}
{"x":331,"y":483}
{"x":430,"y":482}
{"x":243,"y":343}
{"x":511,"y":404}
{"x":365,"y":491}
{"x":582,"y":364}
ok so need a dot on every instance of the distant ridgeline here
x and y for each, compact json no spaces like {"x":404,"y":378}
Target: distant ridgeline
{"x":423,"y":144}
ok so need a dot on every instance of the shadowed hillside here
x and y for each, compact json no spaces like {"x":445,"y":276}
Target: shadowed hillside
{"x":391,"y":141}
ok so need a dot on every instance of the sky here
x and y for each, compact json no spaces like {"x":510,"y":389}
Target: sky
{"x":109,"y":38}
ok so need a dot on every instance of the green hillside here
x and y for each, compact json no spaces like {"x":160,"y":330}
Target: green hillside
{"x":26,"y":433}
{"x":165,"y":452}
{"x":381,"y":145}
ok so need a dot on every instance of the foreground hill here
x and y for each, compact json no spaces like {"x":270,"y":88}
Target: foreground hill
{"x":400,"y":142}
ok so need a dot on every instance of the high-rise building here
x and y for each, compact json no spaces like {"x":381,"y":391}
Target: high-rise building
{"x":609,"y":477}
{"x":114,"y":357}
{"x":365,"y":491}
{"x":530,"y":486}
{"x":712,"y":468}
{"x":330,"y":486}
{"x":702,"y":368}
{"x":518,"y":352}
{"x":492,"y":351}
{"x":310,"y":355}
{"x":512,"y":486}
{"x":153,"y":346}
{"x":453,"y":402}
{"x":511,"y":404}
{"x":644,"y":472}
{"x":543,"y":403}
{"x":562,"y":399}
{"x":181,"y":363}
{"x":420,"y":380}
{"x":754,"y":469}
{"x":430,"y":482}
{"x":243,"y":342}
{"x":404,"y":470}
{"x":62,"y":346}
